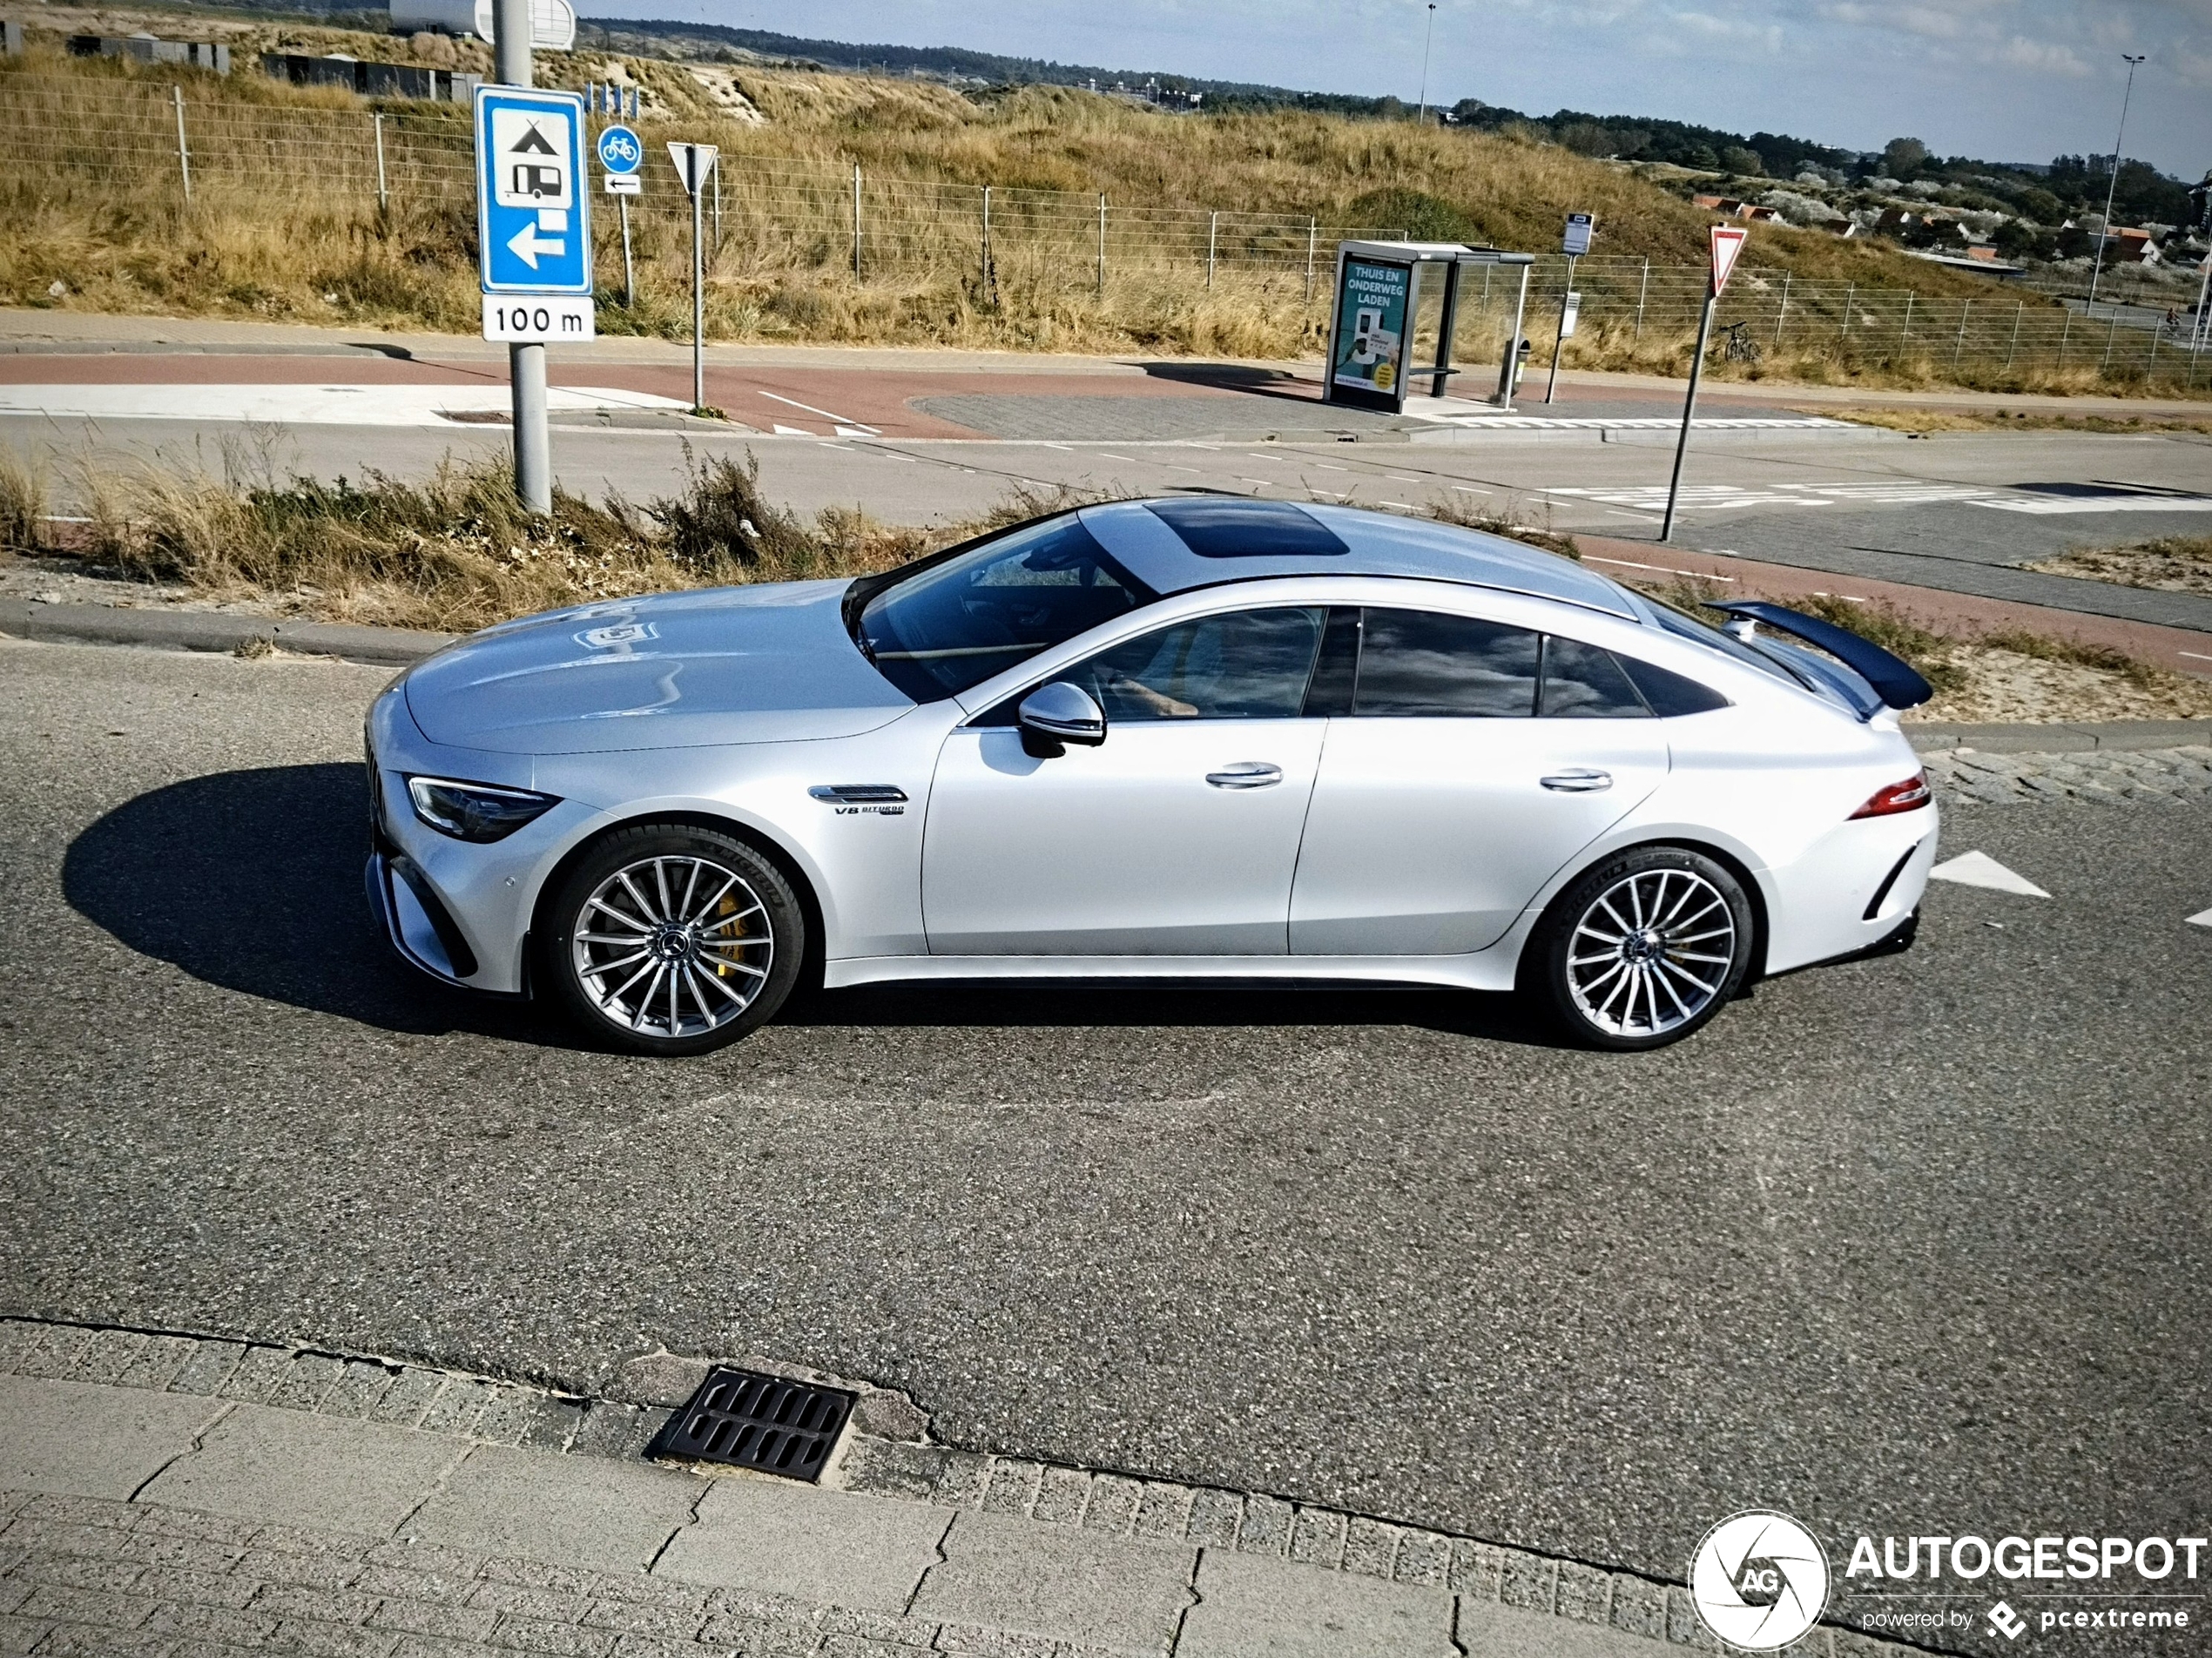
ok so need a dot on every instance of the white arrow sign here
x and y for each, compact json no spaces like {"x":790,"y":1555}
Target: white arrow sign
{"x":528,"y":245}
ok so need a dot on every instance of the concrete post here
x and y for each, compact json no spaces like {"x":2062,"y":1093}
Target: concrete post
{"x":383,"y":197}
{"x":184,"y":155}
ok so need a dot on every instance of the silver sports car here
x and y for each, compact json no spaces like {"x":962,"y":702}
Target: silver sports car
{"x":1192,"y":737}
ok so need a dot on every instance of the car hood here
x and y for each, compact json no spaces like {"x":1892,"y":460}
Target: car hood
{"x":735,"y":665}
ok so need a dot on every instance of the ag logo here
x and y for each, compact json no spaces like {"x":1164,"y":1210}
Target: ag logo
{"x":1759,"y":1580}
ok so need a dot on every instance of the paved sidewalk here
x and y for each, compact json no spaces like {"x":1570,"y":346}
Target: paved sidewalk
{"x":168,"y":1494}
{"x":39,"y":330}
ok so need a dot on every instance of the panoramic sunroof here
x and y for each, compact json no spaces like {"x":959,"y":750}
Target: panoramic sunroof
{"x":1215,"y":527}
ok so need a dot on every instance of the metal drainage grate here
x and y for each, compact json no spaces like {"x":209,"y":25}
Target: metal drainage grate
{"x":748,"y":1420}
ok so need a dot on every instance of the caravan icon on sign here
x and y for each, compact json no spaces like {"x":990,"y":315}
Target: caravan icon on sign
{"x":531,"y":215}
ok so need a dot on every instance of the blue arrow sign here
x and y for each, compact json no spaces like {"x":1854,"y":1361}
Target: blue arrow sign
{"x":619,"y":151}
{"x":533,"y":214}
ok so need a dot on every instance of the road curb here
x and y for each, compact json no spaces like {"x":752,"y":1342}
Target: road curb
{"x":214,"y":630}
{"x":1043,"y":1499}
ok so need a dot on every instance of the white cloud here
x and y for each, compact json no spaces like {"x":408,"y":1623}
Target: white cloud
{"x":2042,"y":56}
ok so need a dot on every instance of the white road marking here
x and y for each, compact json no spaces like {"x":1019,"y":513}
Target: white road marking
{"x":1265,"y":483}
{"x":1402,"y":505}
{"x":794,"y":431}
{"x":1666,"y":569}
{"x":824,"y":413}
{"x":1330,"y":466}
{"x":1129,"y":459}
{"x":2203,"y":917}
{"x":1405,"y":478}
{"x":2198,"y":655}
{"x":858,"y":431}
{"x":1980,"y":869}
{"x":331,"y":405}
{"x":2049,"y":505}
{"x":1469,"y":489}
{"x":1653,"y":497}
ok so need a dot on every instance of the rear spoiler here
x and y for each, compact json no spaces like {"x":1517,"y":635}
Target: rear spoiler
{"x":1895,"y":681}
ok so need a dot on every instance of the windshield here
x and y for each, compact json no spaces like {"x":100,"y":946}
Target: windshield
{"x":953,"y":623}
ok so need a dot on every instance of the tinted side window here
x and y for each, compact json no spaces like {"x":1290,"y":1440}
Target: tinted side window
{"x":1253,"y":665}
{"x":1583,"y":682}
{"x":1669,"y":693}
{"x":1419,"y":665}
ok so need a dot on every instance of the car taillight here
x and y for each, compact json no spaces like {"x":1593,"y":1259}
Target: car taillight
{"x":1908,"y":796}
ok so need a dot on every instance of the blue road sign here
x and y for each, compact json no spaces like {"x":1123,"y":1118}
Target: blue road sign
{"x":533,"y":214}
{"x":619,"y":151}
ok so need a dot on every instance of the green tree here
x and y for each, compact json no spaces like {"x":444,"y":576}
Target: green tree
{"x":1744,"y":162}
{"x":1902,"y":158}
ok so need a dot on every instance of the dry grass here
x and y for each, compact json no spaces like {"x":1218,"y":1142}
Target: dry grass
{"x":457,"y":552}
{"x":125,"y":240}
{"x":2170,"y":564}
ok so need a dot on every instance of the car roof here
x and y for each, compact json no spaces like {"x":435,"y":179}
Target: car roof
{"x":1177,"y":544}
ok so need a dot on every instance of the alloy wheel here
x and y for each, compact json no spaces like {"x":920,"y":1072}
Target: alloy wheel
{"x":673,"y":946}
{"x":1651,"y":952}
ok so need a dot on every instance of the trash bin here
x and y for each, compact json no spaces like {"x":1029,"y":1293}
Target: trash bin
{"x":1521,"y":363}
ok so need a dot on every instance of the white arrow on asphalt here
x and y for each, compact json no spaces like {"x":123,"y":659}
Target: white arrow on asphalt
{"x":2204,"y":919}
{"x":1980,"y":869}
{"x":528,"y":245}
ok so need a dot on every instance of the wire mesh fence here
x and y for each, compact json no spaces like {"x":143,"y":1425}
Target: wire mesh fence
{"x":770,"y":214}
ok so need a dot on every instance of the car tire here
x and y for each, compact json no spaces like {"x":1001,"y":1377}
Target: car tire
{"x":1641,"y":951}
{"x":670,"y":938}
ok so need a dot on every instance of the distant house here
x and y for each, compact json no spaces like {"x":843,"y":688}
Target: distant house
{"x":1757,"y":214}
{"x":370,"y":79}
{"x":150,"y":49}
{"x":2127,"y":245}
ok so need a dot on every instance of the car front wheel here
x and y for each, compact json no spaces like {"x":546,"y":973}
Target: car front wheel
{"x":670,"y":938}
{"x":1643,"y":950}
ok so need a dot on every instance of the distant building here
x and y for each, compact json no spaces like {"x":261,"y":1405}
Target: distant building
{"x":371,"y":79}
{"x":149,"y":49}
{"x":2125,"y":245}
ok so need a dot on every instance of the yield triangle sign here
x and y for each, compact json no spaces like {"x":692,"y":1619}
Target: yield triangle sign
{"x":693,"y":163}
{"x":1727,"y":242}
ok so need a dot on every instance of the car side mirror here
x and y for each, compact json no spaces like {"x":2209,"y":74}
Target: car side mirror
{"x":1056,"y":714}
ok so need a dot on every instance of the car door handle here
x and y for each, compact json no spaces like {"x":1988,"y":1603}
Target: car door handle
{"x":1579,"y":779}
{"x":1246,"y":774}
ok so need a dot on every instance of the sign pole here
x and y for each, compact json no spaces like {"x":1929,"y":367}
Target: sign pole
{"x":525,"y":362}
{"x":1559,"y":340}
{"x":1727,"y":242}
{"x":698,"y":289}
{"x":629,"y":270}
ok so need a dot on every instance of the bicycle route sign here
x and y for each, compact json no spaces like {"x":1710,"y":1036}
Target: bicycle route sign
{"x":620,"y":157}
{"x":533,"y":218}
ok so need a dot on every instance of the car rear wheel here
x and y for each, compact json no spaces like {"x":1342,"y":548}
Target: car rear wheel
{"x":670,"y":939}
{"x":1643,"y":950}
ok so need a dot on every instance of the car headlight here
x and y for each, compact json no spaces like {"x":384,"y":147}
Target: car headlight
{"x":475,"y":811}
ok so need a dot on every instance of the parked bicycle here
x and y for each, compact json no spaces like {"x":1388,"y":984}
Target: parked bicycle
{"x":1740,"y":346}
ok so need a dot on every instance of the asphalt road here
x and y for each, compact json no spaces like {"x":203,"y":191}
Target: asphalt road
{"x":1859,"y":503}
{"x":1908,"y":1245}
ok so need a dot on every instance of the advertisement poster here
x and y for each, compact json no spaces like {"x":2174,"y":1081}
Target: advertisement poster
{"x":1371,"y":341}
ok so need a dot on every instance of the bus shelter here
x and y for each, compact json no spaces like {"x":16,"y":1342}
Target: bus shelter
{"x":1371,"y":325}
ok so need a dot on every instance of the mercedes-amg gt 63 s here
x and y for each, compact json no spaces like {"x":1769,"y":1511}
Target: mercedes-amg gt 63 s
{"x":1197,"y":737}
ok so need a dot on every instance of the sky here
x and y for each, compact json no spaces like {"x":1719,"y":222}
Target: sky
{"x":2002,"y":80}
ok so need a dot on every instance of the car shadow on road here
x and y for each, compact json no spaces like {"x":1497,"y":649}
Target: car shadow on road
{"x":252,"y":880}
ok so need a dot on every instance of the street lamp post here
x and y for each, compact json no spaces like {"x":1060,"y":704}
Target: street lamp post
{"x":2104,"y":235}
{"x":1420,"y":117}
